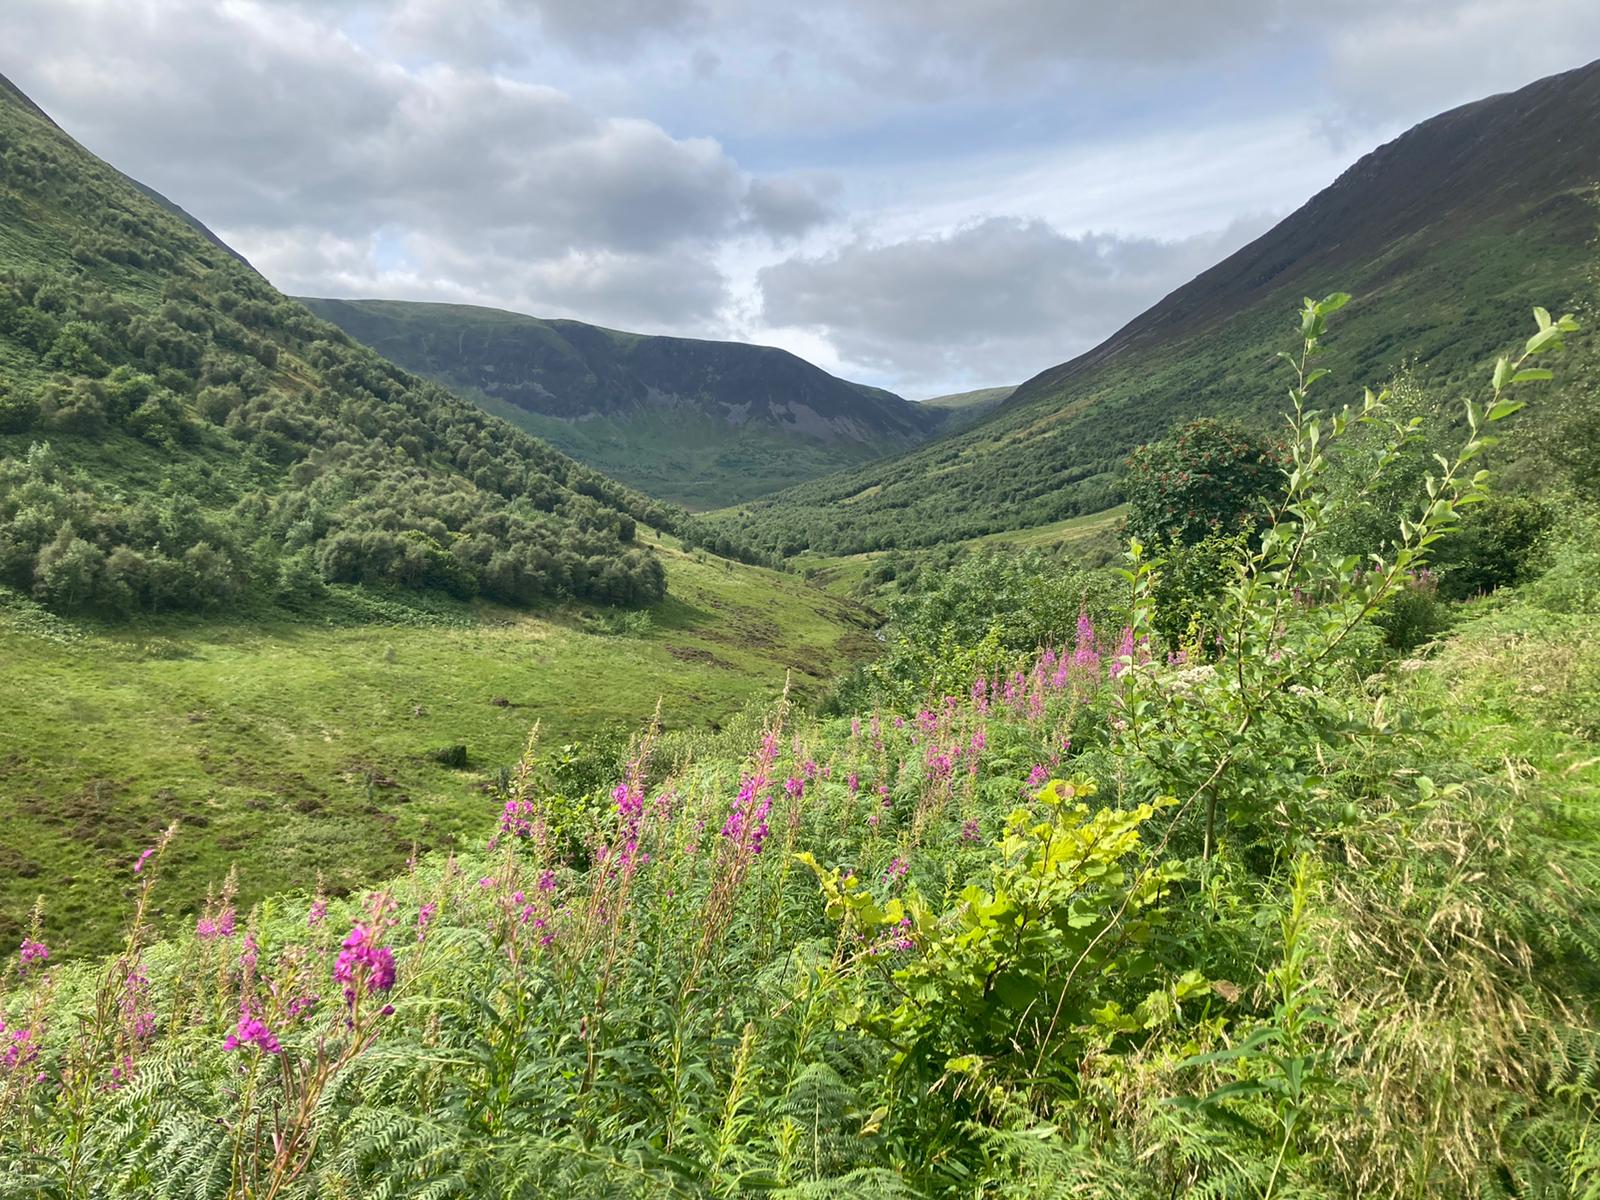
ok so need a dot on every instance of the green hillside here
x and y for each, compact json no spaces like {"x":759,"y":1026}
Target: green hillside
{"x":251,"y":573}
{"x":290,"y":749}
{"x":1445,"y":237}
{"x":694,"y":422}
{"x":175,"y":434}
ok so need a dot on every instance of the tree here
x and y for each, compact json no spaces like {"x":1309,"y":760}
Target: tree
{"x":1209,"y":477}
{"x":67,"y":573}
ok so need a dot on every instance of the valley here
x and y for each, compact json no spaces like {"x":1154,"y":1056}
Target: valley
{"x":446,"y":752}
{"x":294,"y":750}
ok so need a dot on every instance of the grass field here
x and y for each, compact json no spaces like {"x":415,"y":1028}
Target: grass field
{"x":1093,"y":536}
{"x":293,"y":749}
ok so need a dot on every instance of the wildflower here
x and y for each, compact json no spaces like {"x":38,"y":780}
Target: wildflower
{"x":301,"y":1007}
{"x":317,"y":913}
{"x":1085,"y":652}
{"x":33,"y":951}
{"x":547,"y":881}
{"x":970,"y":831}
{"x":1039,"y":776}
{"x":19,"y":1048}
{"x":138,"y":867}
{"x":853,"y":782}
{"x":897,"y":870}
{"x":252,"y":1031}
{"x":1124,"y":651}
{"x":139,"y":1019}
{"x":362,"y":959}
{"x":902,"y":939}
{"x":210,"y":928}
{"x":795,"y":787}
{"x":425,"y":916}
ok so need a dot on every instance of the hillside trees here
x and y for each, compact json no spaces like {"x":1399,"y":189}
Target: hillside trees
{"x":145,"y":371}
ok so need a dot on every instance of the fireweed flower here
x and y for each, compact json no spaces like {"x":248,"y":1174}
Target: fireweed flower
{"x":1039,"y":776}
{"x":317,"y":913}
{"x":211,"y":927}
{"x":970,"y":832}
{"x":33,"y":951}
{"x":1124,"y":651}
{"x":301,"y":1007}
{"x":547,"y":881}
{"x":138,"y":867}
{"x":746,"y":824}
{"x":853,"y":782}
{"x":362,"y":960}
{"x":252,"y":1031}
{"x":17,"y":1047}
{"x":137,"y":1017}
{"x":425,"y":916}
{"x":1085,"y":652}
{"x":897,"y":870}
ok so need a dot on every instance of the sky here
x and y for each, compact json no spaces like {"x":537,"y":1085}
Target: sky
{"x":926,"y":195}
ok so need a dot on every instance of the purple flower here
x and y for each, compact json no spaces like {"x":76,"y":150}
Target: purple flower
{"x":210,"y":928}
{"x":1039,"y":776}
{"x":301,"y":1007}
{"x":425,"y":916}
{"x":252,"y":1031}
{"x":33,"y":951}
{"x":363,"y":959}
{"x":19,"y":1047}
{"x":854,"y":782}
{"x":317,"y":914}
{"x":897,"y":870}
{"x":547,"y":881}
{"x":970,"y":832}
{"x":1086,"y":653}
{"x":138,"y":867}
{"x":1124,"y":651}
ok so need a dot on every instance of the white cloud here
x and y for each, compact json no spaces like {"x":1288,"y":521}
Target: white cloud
{"x":716,"y":166}
{"x":1006,"y":295}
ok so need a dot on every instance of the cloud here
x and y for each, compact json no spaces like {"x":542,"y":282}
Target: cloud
{"x":994,"y":301}
{"x":788,"y":206}
{"x":1413,"y":58}
{"x":270,"y":122}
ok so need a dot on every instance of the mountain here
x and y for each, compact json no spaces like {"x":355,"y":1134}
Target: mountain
{"x":176,"y":434}
{"x":979,"y":398}
{"x":1446,"y":237}
{"x":695,"y":422}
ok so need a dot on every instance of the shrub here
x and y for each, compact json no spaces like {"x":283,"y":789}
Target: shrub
{"x":1205,"y":479}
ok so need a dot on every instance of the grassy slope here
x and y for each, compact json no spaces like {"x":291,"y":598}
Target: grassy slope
{"x":682,"y":419}
{"x":1444,"y":264}
{"x":264,"y":739}
{"x":1091,"y":537}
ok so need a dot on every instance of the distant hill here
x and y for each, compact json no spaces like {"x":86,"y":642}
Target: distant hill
{"x":1446,"y":236}
{"x":696,"y":422}
{"x":966,"y":408}
{"x":176,"y":434}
